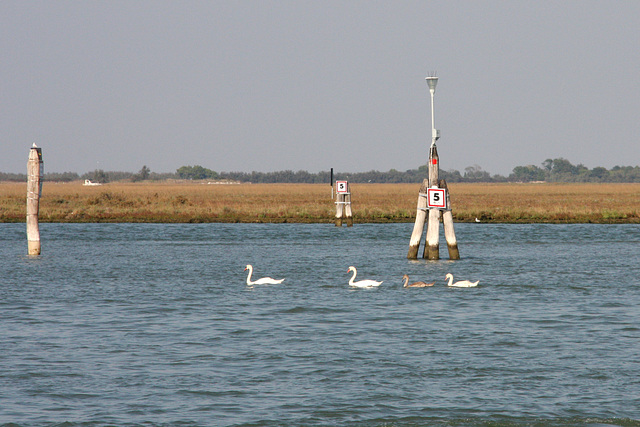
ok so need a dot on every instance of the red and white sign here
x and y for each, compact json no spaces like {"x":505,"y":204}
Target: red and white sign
{"x":342,"y":187}
{"x":437,"y":198}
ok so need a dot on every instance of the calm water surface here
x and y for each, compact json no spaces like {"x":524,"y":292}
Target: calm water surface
{"x":153,"y":324}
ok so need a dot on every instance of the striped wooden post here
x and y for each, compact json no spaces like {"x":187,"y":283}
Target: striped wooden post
{"x":347,"y":209}
{"x":339,"y":209}
{"x":433,"y":218}
{"x":447,"y":222}
{"x":434,"y":196}
{"x":421,"y":217}
{"x":35,"y":171}
{"x":431,"y":249}
{"x":343,"y":204}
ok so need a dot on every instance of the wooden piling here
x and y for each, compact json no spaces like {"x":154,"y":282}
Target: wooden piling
{"x":343,"y":204}
{"x":434,"y":198}
{"x":339,"y":209}
{"x":35,"y":171}
{"x":421,"y":218}
{"x":432,"y":246}
{"x":431,"y":249}
{"x":447,"y":222}
{"x":347,"y":209}
{"x":434,"y":166}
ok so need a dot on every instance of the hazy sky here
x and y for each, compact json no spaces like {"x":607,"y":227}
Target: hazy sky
{"x":275,"y":85}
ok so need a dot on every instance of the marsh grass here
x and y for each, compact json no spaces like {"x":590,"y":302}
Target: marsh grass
{"x":582,"y":203}
{"x":199,"y":202}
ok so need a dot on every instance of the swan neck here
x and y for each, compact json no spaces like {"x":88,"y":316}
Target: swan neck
{"x":353,"y":277}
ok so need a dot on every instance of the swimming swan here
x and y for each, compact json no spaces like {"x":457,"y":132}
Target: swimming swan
{"x":263,"y":281}
{"x":361,"y":283}
{"x":460,"y":284}
{"x":414,"y":284}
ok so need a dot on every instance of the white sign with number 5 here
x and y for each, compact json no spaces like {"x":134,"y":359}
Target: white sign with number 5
{"x":437,"y":198}
{"x":342,"y":187}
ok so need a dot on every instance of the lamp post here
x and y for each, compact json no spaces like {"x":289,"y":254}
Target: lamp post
{"x":432,"y":81}
{"x":432,"y":186}
{"x":431,"y":250}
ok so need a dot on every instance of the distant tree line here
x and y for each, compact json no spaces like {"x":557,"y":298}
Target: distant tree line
{"x":551,"y":170}
{"x":561,"y":170}
{"x":97,"y":175}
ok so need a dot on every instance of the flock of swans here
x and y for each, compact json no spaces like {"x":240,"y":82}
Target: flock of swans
{"x":365,"y":283}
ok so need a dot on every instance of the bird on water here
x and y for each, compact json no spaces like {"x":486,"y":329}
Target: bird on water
{"x":414,"y":284}
{"x":361,"y":283}
{"x":461,"y":283}
{"x":261,"y":281}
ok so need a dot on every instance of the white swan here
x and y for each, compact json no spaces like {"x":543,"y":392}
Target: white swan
{"x":460,"y":284}
{"x":361,"y":283}
{"x":262,"y":281}
{"x":414,"y":284}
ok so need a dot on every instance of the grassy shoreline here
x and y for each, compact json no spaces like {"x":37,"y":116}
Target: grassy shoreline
{"x":188,"y":202}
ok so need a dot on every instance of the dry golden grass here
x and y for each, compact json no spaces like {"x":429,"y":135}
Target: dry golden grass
{"x":599,"y":203}
{"x":196,"y":202}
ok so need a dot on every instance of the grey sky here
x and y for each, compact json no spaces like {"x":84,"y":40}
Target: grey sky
{"x":275,"y":85}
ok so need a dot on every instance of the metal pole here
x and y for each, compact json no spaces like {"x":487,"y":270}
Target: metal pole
{"x":432,"y":82}
{"x":433,"y":120}
{"x":331,"y":183}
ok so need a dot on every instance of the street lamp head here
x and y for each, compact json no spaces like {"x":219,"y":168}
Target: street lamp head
{"x":432,"y":81}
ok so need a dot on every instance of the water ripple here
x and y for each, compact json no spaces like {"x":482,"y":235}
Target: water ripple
{"x":139,"y":324}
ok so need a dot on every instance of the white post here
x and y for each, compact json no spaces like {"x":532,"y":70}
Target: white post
{"x":35,"y":169}
{"x":421,"y":217}
{"x":449,"y":233}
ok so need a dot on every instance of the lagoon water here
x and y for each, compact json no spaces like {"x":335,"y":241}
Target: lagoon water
{"x":153,"y":324}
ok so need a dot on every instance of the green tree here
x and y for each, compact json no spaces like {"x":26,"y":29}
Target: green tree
{"x":476,"y":174}
{"x":196,"y":172}
{"x":599,"y":173}
{"x":100,"y":176}
{"x":528,"y":173}
{"x":142,"y":174}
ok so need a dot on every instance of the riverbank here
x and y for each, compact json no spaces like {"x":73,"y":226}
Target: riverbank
{"x":183,"y":202}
